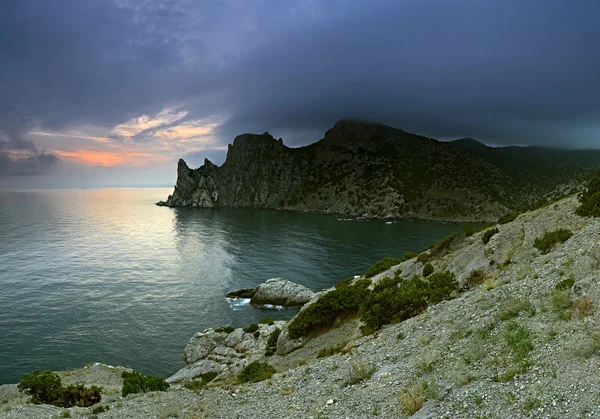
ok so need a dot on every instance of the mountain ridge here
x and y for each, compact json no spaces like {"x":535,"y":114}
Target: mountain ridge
{"x":374,"y":170}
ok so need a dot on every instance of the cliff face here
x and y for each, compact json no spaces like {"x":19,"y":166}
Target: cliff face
{"x":372,"y":170}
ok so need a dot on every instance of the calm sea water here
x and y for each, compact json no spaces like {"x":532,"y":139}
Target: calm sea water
{"x":107,"y":276}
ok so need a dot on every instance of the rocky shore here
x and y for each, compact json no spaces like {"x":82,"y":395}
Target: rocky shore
{"x":520,"y":339}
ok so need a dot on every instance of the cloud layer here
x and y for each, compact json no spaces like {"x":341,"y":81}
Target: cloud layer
{"x":109,"y":83}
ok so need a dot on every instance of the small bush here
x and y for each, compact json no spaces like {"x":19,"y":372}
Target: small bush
{"x":100,"y":409}
{"x":381,"y":266}
{"x":331,"y":350}
{"x":323,"y":313}
{"x":427,"y":270}
{"x":225,"y":329}
{"x":513,"y":307}
{"x":267,"y":320}
{"x":423,"y":257}
{"x":197,"y":385}
{"x":468,"y":230}
{"x":360,"y":370}
{"x":441,"y":286}
{"x":272,"y":342}
{"x":413,"y":398}
{"x":78,"y":395}
{"x":46,"y":387}
{"x":443,"y":246}
{"x":256,"y":371}
{"x":135,"y":382}
{"x":488,"y":235}
{"x":561,"y":300}
{"x":551,"y":238}
{"x":565,"y":284}
{"x":583,"y":306}
{"x":476,"y":277}
{"x":392,"y":301}
{"x":590,"y":199}
{"x":507,"y":218}
{"x":408,"y":256}
{"x":518,"y":340}
{"x":251,"y":328}
{"x":43,"y":387}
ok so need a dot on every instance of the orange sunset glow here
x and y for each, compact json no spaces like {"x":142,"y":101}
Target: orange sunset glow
{"x":109,"y":159}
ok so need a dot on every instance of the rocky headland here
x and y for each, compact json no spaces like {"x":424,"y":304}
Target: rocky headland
{"x":366,"y":169}
{"x":516,"y":335}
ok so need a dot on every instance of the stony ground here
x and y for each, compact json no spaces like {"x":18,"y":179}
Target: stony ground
{"x":511,"y":347}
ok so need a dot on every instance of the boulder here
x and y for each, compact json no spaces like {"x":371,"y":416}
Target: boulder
{"x":243,"y":293}
{"x":222,"y":352}
{"x":280,"y":292}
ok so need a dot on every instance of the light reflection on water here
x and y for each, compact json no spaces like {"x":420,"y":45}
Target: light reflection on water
{"x":107,"y":276}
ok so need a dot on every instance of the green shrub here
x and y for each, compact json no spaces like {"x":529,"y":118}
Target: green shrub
{"x":197,"y":385}
{"x":267,"y":320}
{"x":323,"y":313}
{"x":360,"y":370}
{"x":518,"y":340}
{"x":394,"y":303}
{"x":427,"y":270}
{"x":443,"y":246}
{"x":507,"y":218}
{"x":551,"y":238}
{"x":423,"y":257}
{"x":381,"y":265}
{"x":135,"y":382}
{"x":272,"y":342}
{"x":561,"y":300}
{"x":512,"y":307}
{"x":46,"y":387}
{"x":590,"y":199}
{"x":488,"y":235}
{"x":256,"y":371}
{"x":345,"y":282}
{"x":468,"y":230}
{"x":441,"y":286}
{"x":565,"y":284}
{"x":251,"y":328}
{"x":100,"y":409}
{"x":408,"y":256}
{"x":331,"y":350}
{"x":78,"y":395}
{"x":225,"y":329}
{"x":43,"y":387}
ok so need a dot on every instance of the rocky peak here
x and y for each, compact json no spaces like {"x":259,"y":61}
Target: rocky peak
{"x":185,"y":181}
{"x":249,"y":146}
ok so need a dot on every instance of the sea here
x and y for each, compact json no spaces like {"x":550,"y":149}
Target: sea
{"x":105,"y":275}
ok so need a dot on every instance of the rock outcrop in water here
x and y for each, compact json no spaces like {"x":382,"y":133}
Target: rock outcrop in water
{"x":276,"y":292}
{"x":372,"y":170}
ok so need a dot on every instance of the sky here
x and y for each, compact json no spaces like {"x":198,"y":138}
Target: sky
{"x":113,"y":92}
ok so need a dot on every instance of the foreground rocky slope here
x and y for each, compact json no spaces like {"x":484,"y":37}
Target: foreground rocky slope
{"x":511,"y":345}
{"x":372,"y":170}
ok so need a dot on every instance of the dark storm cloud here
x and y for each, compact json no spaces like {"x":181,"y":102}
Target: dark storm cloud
{"x":504,"y":72}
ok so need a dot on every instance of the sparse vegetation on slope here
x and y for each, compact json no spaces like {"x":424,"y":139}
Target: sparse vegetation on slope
{"x":46,"y":388}
{"x":135,"y":382}
{"x":590,"y":199}
{"x":552,"y":238}
{"x":381,"y":266}
{"x":256,"y":371}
